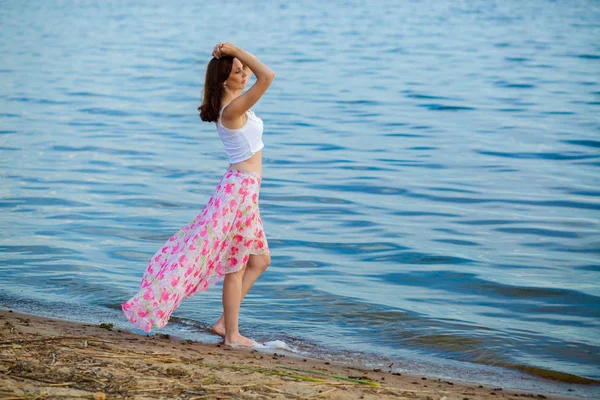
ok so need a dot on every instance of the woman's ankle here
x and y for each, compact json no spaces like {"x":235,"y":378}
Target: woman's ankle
{"x":240,"y":341}
{"x":232,"y":337}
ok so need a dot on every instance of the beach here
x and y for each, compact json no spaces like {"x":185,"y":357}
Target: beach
{"x":42,"y":358}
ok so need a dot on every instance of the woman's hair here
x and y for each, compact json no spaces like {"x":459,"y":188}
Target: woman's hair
{"x":217,"y":72}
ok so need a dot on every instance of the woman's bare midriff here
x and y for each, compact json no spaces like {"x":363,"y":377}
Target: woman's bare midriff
{"x":253,"y":164}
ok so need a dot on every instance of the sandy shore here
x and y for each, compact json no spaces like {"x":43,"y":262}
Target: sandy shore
{"x":42,"y":358}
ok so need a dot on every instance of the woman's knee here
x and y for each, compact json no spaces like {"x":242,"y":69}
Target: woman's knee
{"x":261,"y":262}
{"x":267,"y":259}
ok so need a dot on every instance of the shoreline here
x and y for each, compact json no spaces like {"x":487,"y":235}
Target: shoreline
{"x":45,"y":358}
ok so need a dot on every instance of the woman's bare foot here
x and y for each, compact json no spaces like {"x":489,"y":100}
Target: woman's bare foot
{"x":219,"y":327}
{"x":240,"y":341}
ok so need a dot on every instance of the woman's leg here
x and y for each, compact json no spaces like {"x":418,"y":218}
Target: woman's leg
{"x":256,"y":266}
{"x":232,"y":297}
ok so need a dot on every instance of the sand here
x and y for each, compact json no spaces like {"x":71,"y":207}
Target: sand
{"x":42,"y":358}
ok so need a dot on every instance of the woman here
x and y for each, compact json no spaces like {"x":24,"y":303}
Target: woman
{"x":226,"y":241}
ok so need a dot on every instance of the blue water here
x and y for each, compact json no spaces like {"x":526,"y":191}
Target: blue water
{"x":431,"y":174}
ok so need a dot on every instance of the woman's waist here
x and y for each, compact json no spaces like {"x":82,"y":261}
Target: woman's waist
{"x":251,"y":165}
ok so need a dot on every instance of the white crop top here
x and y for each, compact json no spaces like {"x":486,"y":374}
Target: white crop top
{"x":242,"y":143}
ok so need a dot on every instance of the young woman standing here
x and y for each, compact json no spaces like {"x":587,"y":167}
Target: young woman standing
{"x":226,"y":241}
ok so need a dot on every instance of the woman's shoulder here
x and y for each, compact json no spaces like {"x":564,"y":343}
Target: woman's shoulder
{"x":225,"y":106}
{"x":248,"y":115}
{"x":249,"y":111}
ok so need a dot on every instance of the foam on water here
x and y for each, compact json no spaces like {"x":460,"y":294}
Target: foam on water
{"x":276,"y":345}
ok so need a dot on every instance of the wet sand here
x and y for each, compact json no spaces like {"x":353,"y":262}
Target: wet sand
{"x":42,"y":358}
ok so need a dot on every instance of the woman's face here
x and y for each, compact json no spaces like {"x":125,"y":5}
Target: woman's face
{"x":238,"y":77}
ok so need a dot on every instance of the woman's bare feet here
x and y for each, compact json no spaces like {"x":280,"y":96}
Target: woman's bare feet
{"x":239,"y":341}
{"x":219,"y":327}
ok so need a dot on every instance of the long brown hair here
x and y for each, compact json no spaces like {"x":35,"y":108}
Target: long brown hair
{"x":217,"y":72}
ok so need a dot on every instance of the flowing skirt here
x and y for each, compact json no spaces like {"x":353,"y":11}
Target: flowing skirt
{"x":217,"y":242}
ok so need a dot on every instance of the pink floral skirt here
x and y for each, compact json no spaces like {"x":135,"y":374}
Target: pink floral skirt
{"x":218,"y":241}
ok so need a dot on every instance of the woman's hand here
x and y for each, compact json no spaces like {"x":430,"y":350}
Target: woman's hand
{"x":224,"y":49}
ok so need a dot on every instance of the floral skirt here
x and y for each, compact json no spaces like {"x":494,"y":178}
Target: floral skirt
{"x":217,"y":242}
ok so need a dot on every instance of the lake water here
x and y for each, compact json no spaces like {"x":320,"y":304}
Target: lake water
{"x":431,"y":174}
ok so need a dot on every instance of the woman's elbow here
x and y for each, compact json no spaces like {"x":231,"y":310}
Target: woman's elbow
{"x":270,"y":76}
{"x":266,"y":77}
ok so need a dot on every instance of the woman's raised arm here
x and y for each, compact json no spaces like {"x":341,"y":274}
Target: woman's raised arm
{"x":264,"y":77}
